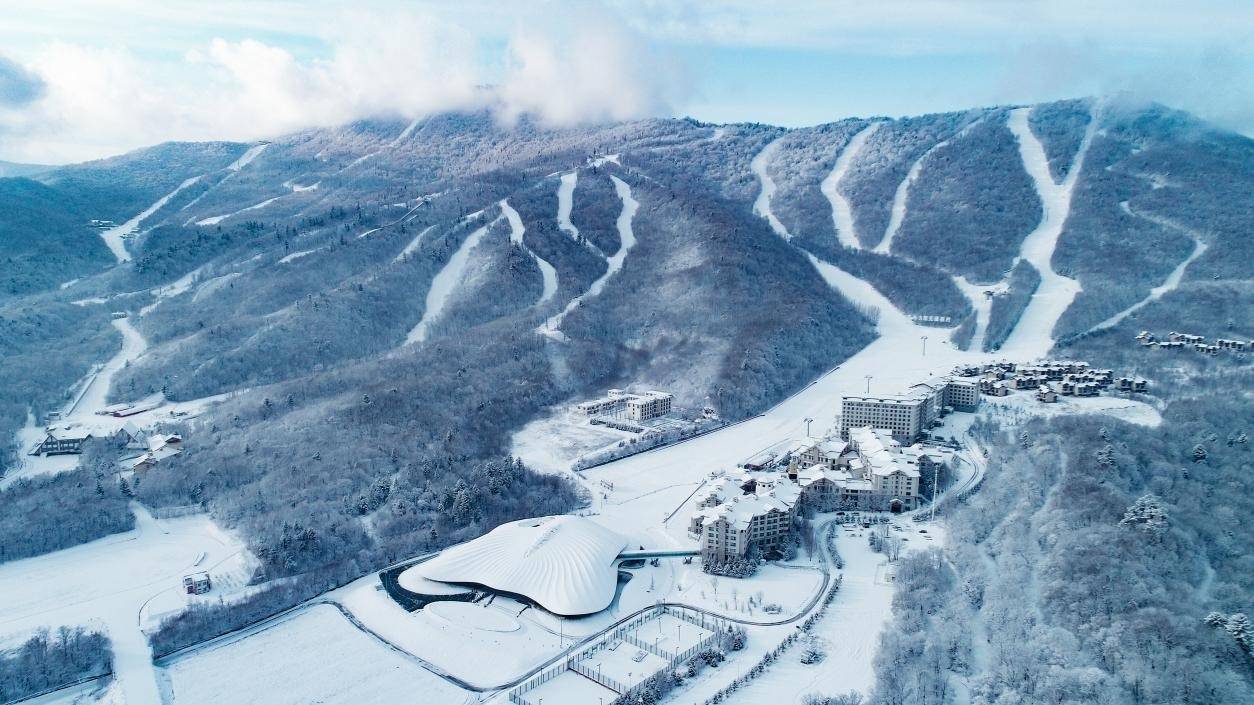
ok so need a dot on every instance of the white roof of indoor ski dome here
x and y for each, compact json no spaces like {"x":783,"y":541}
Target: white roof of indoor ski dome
{"x":564,"y":563}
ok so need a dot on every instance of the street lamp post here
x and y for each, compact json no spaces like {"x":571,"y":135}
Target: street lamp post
{"x":868,"y":384}
{"x":924,"y":338}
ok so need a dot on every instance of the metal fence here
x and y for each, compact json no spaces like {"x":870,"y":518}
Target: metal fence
{"x":626,"y":633}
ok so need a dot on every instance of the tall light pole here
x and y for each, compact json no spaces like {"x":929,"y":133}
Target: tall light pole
{"x":808,"y":421}
{"x":868,"y":384}
{"x":924,"y":338}
{"x":935,"y":476}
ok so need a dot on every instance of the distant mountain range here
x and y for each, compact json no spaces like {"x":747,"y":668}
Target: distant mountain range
{"x":10,"y":169}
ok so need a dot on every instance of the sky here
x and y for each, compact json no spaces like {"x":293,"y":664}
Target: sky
{"x":83,"y":79}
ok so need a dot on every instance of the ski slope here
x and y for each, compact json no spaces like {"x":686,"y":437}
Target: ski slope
{"x":516,"y":232}
{"x":565,"y":201}
{"x":898,"y":212}
{"x":762,"y":205}
{"x":1033,"y":336}
{"x":247,"y":157}
{"x":414,"y":244}
{"x":860,"y":292}
{"x":983,"y":306}
{"x":214,"y":220}
{"x":1171,"y":283}
{"x":444,"y":284}
{"x":842,"y":214}
{"x":627,"y":240}
{"x":115,"y":238}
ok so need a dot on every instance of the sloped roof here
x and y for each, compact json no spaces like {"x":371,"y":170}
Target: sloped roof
{"x":565,"y":564}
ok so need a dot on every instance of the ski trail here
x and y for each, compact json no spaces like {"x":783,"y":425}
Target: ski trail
{"x":565,"y":202}
{"x":983,"y":306}
{"x":842,"y":213}
{"x":898,"y":212}
{"x":876,"y":306}
{"x":1170,"y":283}
{"x":115,"y":238}
{"x":214,"y":220}
{"x":1032,"y":337}
{"x":516,"y":231}
{"x":762,"y":206}
{"x":297,"y":255}
{"x":889,"y":319}
{"x":413,"y":244}
{"x":627,"y":240}
{"x":246,"y":158}
{"x":443,"y":285}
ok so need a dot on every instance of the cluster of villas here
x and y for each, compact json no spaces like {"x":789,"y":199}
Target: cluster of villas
{"x":869,"y":470}
{"x":141,"y":451}
{"x":1197,"y":343}
{"x":1049,"y":379}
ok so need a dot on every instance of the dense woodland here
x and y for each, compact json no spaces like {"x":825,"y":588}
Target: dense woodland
{"x":45,"y":662}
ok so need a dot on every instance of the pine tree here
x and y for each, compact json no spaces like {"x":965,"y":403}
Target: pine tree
{"x":1199,"y":453}
{"x":1146,"y":514}
{"x":1238,"y":627}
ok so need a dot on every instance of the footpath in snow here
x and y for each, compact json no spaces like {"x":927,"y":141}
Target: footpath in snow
{"x":1033,"y":336}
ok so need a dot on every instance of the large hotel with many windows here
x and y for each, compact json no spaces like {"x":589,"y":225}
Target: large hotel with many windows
{"x":908,"y":415}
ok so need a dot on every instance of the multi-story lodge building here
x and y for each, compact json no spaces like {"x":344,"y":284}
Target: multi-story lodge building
{"x":635,"y":407}
{"x":729,"y":524}
{"x":876,"y":472}
{"x":906,"y":416}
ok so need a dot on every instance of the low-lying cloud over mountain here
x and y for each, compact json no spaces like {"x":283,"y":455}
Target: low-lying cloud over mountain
{"x":580,"y":65}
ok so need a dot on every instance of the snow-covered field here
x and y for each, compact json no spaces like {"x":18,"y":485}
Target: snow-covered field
{"x":483,"y":645}
{"x":316,"y":656}
{"x":106,"y":583}
{"x":552,"y":442}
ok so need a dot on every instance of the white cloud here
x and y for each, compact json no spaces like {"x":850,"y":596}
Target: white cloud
{"x":586,"y":65}
{"x":98,"y":101}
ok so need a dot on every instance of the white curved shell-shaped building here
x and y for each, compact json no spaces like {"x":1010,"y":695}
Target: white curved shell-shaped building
{"x":565,"y":564}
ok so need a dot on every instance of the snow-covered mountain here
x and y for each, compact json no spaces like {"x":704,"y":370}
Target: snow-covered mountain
{"x":393,"y":298}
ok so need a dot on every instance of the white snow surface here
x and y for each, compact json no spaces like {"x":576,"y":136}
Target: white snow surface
{"x":565,"y":201}
{"x":115,"y":237}
{"x":627,"y":240}
{"x":444,"y":284}
{"x":842,"y":214}
{"x":1033,"y":336}
{"x":762,"y":205}
{"x":105,"y":584}
{"x":564,"y":563}
{"x":316,"y":656}
{"x":297,"y":255}
{"x":982,"y":304}
{"x":516,"y":232}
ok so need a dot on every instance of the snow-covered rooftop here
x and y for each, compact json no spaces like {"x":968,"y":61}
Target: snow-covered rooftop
{"x":565,"y":564}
